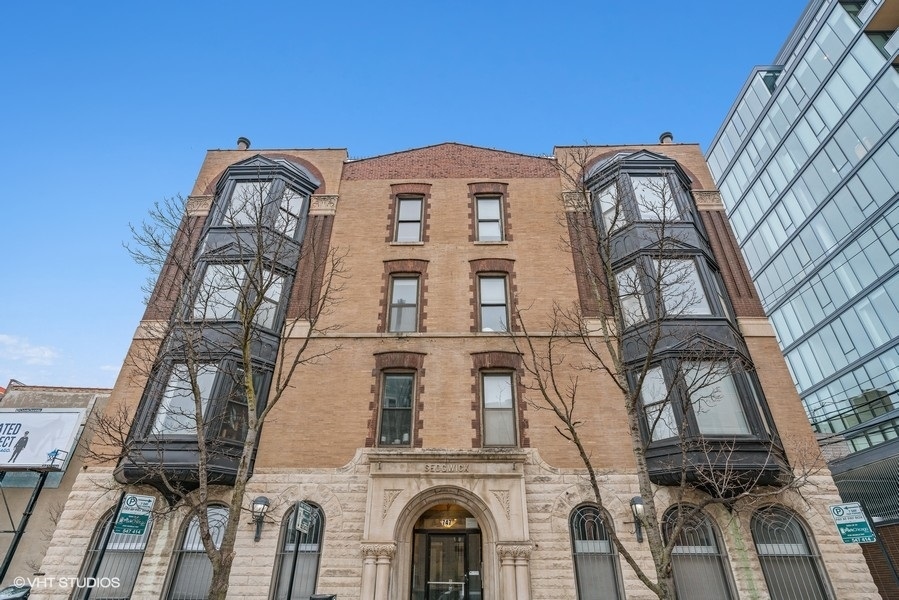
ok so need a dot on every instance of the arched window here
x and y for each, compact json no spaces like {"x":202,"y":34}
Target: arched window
{"x":700,"y":566}
{"x":296,"y":567}
{"x":193,"y":570}
{"x":792,"y":568}
{"x":595,"y":561}
{"x":114,"y":555}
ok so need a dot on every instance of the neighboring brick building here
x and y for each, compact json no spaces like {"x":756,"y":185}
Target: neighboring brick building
{"x":419,"y":445}
{"x":19,"y":486}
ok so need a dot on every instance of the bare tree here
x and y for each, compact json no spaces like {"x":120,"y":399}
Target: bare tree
{"x":227,"y":353}
{"x":640,"y":293}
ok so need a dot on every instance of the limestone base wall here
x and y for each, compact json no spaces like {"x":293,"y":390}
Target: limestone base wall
{"x":355,"y":507}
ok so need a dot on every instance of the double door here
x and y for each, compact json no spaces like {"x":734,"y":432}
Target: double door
{"x":446,"y":565}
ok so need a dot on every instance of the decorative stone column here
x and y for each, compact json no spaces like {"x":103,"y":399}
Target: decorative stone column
{"x":514,"y":570}
{"x":376,"y":560}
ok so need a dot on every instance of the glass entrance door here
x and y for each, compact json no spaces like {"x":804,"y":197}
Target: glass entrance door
{"x":446,"y":566}
{"x":446,"y":555}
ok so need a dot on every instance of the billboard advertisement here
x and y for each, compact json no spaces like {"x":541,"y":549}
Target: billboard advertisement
{"x":37,"y":438}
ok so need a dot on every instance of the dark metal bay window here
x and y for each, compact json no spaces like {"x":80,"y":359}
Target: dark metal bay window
{"x":714,"y":405}
{"x":660,"y":420}
{"x":177,"y":411}
{"x":714,"y":399}
{"x":245,"y":264}
{"x":228,"y":289}
{"x":682,"y":289}
{"x":655,"y":198}
{"x":396,"y":409}
{"x":272,"y":204}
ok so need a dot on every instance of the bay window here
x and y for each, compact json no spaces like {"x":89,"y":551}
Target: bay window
{"x":714,"y":399}
{"x":229,"y":289}
{"x":177,"y":411}
{"x":681,"y":288}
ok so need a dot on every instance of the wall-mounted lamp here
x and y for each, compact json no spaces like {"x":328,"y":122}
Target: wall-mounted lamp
{"x":637,"y":511}
{"x":258,"y":509}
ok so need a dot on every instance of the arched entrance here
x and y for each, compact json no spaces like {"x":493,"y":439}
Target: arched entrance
{"x":446,"y":555}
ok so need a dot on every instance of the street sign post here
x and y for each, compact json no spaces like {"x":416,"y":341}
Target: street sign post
{"x":304,"y":516}
{"x":852,"y":523}
{"x":134,"y":514}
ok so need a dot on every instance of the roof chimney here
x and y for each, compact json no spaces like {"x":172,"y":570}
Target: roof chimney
{"x":243,"y":143}
{"x":666,"y":138}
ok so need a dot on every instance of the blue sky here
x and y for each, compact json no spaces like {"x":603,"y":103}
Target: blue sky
{"x":110,"y":106}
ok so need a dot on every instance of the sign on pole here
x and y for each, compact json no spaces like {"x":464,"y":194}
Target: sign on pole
{"x":304,"y":516}
{"x":852,"y":523}
{"x":134,"y":514}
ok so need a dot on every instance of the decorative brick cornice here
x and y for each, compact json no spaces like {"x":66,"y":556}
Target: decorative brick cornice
{"x":323,"y":204}
{"x":708,"y":199}
{"x":199,"y":206}
{"x":450,"y":160}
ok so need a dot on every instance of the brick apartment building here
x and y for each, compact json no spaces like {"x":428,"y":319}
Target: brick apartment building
{"x":419,"y":445}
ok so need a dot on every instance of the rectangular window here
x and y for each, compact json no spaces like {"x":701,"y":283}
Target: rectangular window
{"x":396,"y":409}
{"x":408,"y":220}
{"x":609,"y":207}
{"x":499,"y":409}
{"x":403,"y":304}
{"x":177,"y":411}
{"x":715,"y":400}
{"x":247,"y":203}
{"x":630,"y":297}
{"x":226,"y":287}
{"x":489,"y":219}
{"x":655,"y":199}
{"x":494,"y":308}
{"x":290,"y":212}
{"x":659,"y":415}
{"x":682,"y":289}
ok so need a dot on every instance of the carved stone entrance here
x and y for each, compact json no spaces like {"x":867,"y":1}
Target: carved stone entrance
{"x":436,"y":521}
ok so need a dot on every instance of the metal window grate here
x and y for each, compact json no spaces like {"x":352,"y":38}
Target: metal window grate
{"x":792,"y":570}
{"x":298,"y":557}
{"x":595,"y":561}
{"x":113,"y":555}
{"x":193,"y":570}
{"x":699,"y":565}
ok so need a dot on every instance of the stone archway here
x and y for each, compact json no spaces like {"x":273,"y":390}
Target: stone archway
{"x":487,"y":488}
{"x":410,"y":515}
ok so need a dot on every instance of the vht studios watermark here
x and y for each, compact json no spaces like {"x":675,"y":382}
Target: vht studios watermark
{"x":70,"y":583}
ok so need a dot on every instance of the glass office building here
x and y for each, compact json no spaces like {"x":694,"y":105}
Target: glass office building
{"x":807,"y":162}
